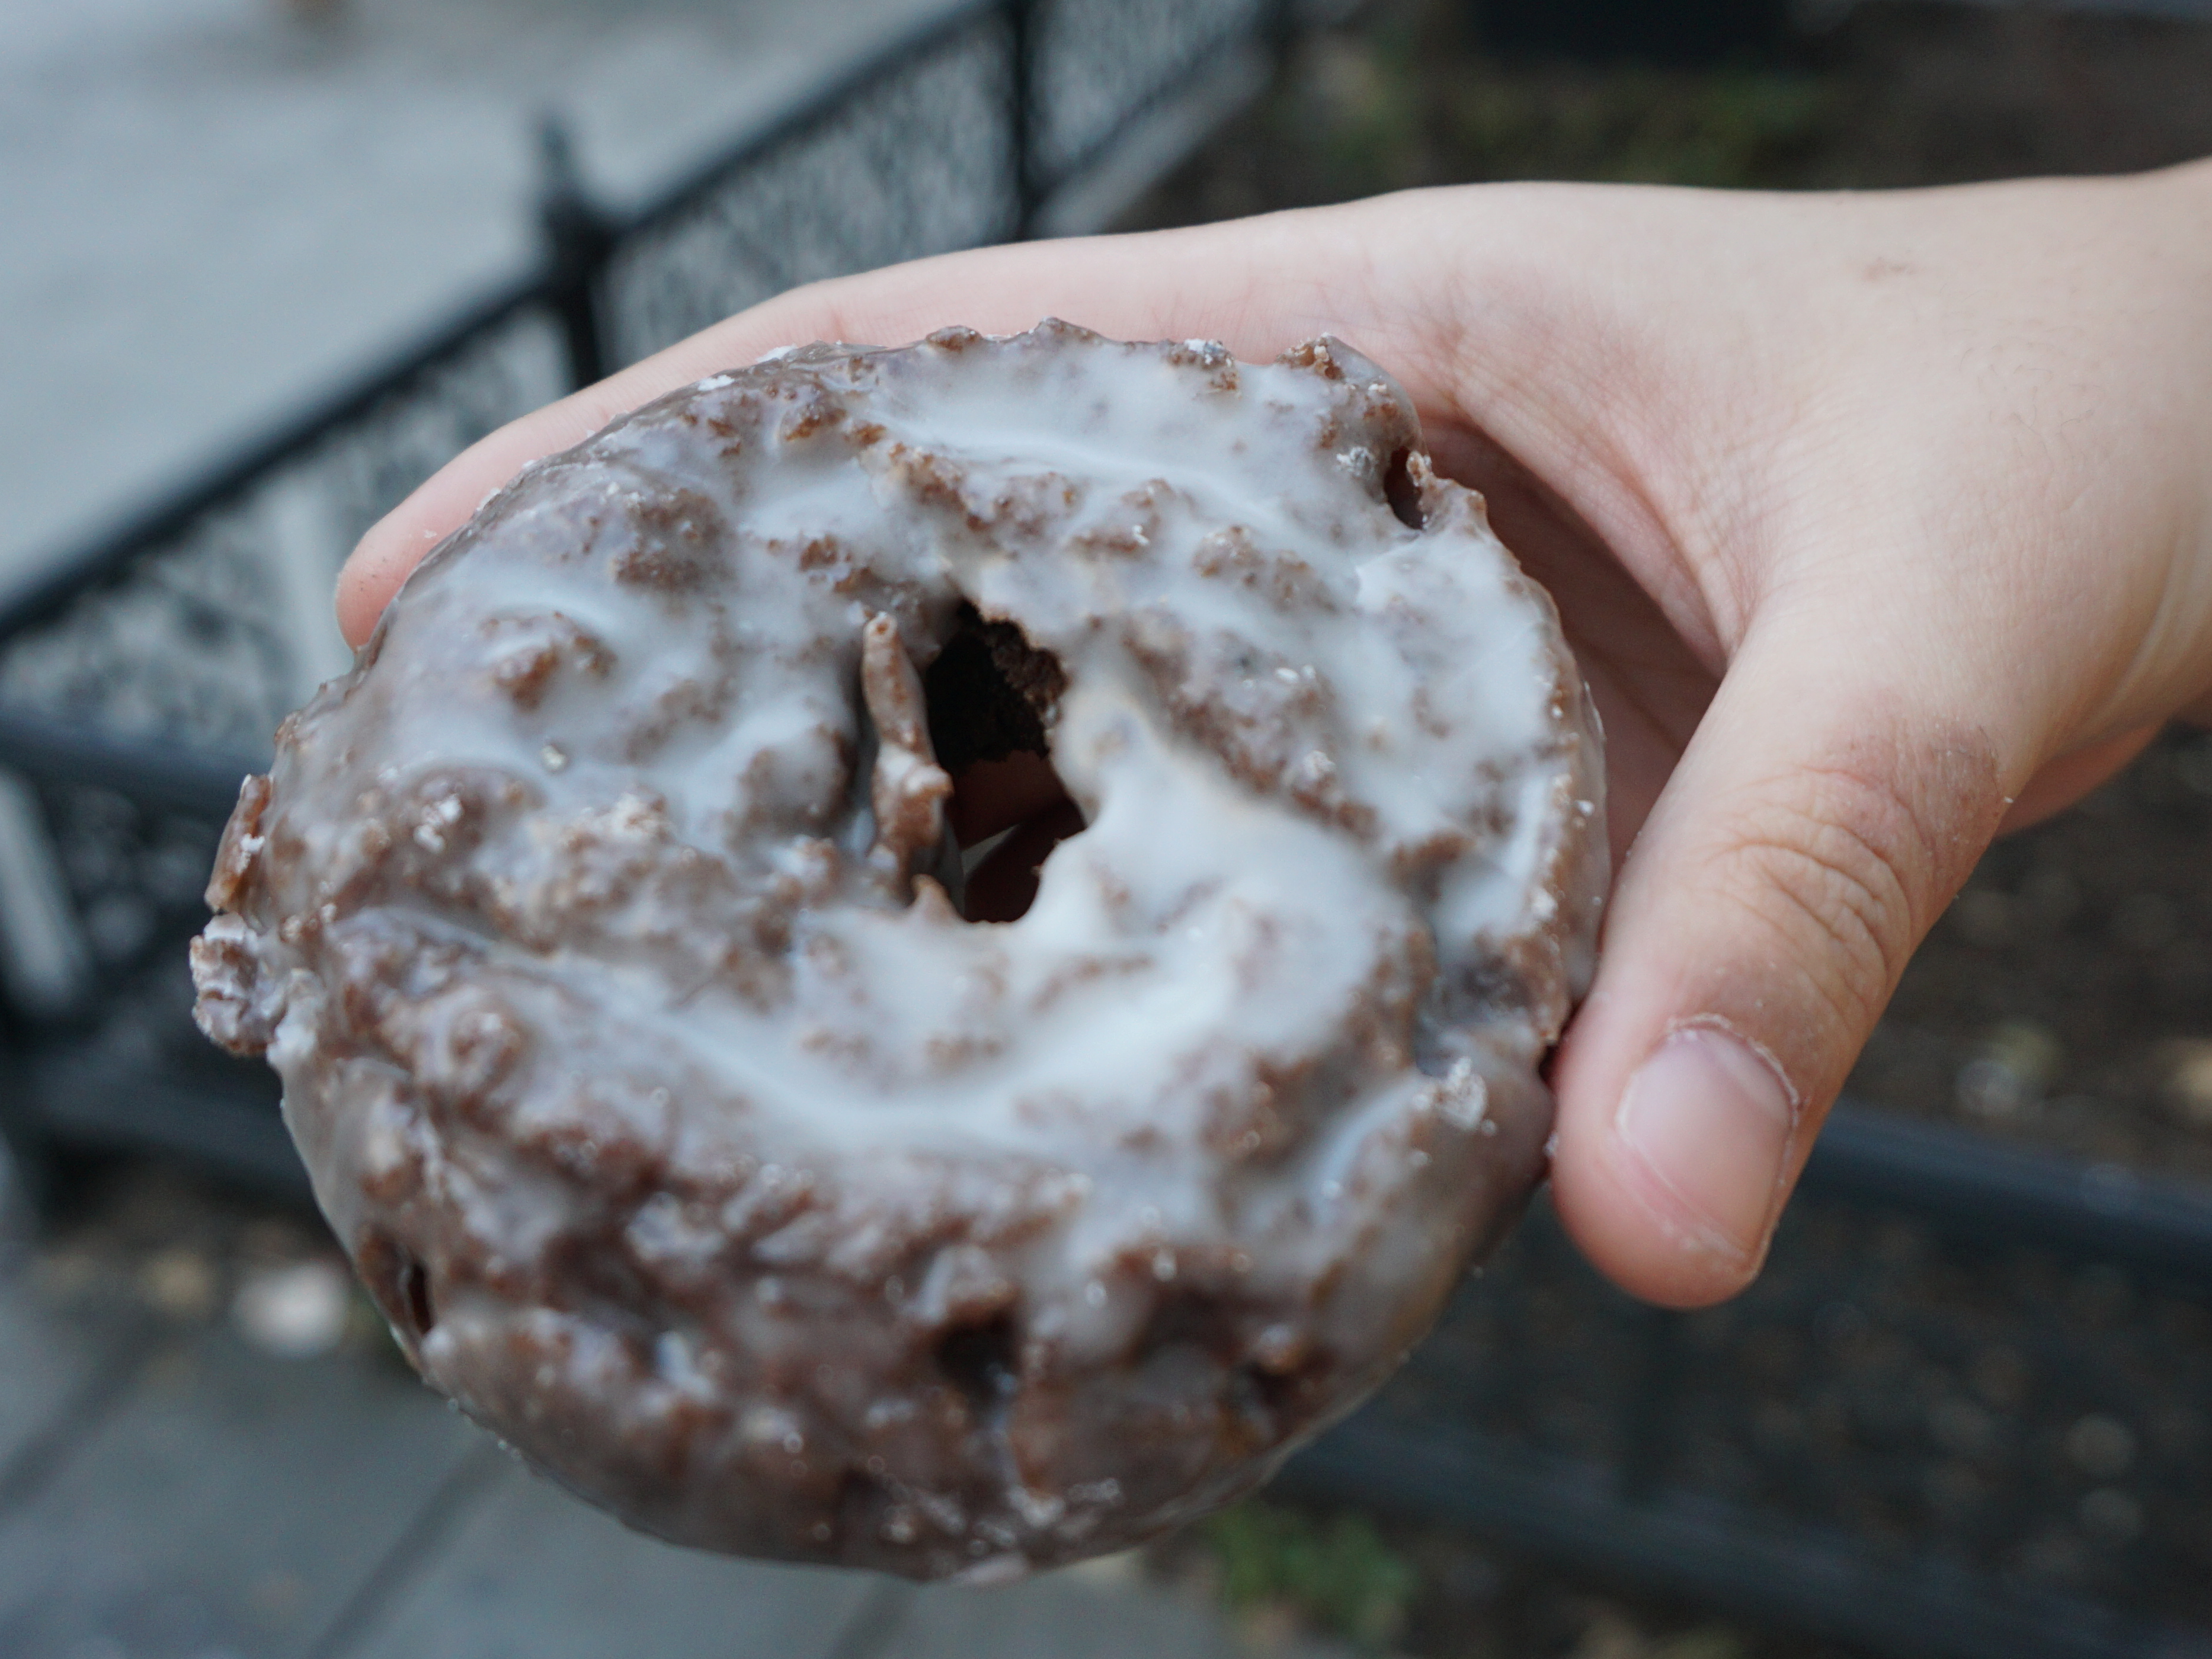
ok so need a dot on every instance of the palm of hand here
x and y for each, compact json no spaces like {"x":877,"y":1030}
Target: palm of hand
{"x":1874,"y":522}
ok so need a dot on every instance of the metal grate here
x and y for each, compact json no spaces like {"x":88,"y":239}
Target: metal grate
{"x":212,"y":626}
{"x":1095,"y":61}
{"x":924,"y":164}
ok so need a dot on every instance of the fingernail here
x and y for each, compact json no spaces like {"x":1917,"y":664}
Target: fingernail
{"x":1710,"y":1120}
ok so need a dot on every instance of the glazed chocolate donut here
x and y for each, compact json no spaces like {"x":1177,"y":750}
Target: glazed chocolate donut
{"x":606,"y":929}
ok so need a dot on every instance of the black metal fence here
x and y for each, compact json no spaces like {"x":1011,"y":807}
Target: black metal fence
{"x":1967,"y":1413}
{"x":140,"y":679}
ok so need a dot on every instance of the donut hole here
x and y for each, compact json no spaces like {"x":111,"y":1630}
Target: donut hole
{"x":992,"y":697}
{"x":1004,"y":875}
{"x":982,"y":1361}
{"x":1403,"y":493}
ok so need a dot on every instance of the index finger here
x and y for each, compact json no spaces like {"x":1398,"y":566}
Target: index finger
{"x":1258,"y":285}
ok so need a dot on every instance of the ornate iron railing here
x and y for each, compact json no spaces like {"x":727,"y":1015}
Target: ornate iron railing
{"x":183,"y":639}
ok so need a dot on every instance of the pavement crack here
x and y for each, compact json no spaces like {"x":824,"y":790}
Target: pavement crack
{"x":465,"y":1486}
{"x":42,"y":1458}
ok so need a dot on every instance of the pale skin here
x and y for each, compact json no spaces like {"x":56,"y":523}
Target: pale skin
{"x":1879,"y":524}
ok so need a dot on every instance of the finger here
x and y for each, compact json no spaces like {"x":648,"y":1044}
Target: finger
{"x":1808,"y":840}
{"x":1260,"y":286}
{"x":2067,"y":779}
{"x":1649,"y":686}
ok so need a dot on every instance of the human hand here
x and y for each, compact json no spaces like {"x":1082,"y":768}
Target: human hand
{"x":1878,"y":523}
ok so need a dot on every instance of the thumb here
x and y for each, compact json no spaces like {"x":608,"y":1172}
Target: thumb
{"x":1819,"y":822}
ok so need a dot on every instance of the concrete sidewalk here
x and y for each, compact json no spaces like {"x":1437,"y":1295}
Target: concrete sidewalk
{"x":215,"y":210}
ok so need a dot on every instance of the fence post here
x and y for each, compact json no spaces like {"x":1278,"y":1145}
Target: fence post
{"x":578,"y":239}
{"x":1021,"y":116}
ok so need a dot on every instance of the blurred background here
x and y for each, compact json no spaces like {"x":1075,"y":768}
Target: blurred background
{"x":270,"y":262}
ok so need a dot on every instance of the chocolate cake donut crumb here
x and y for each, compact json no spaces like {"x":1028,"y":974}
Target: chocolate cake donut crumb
{"x":992,"y":694}
{"x":607,"y":929}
